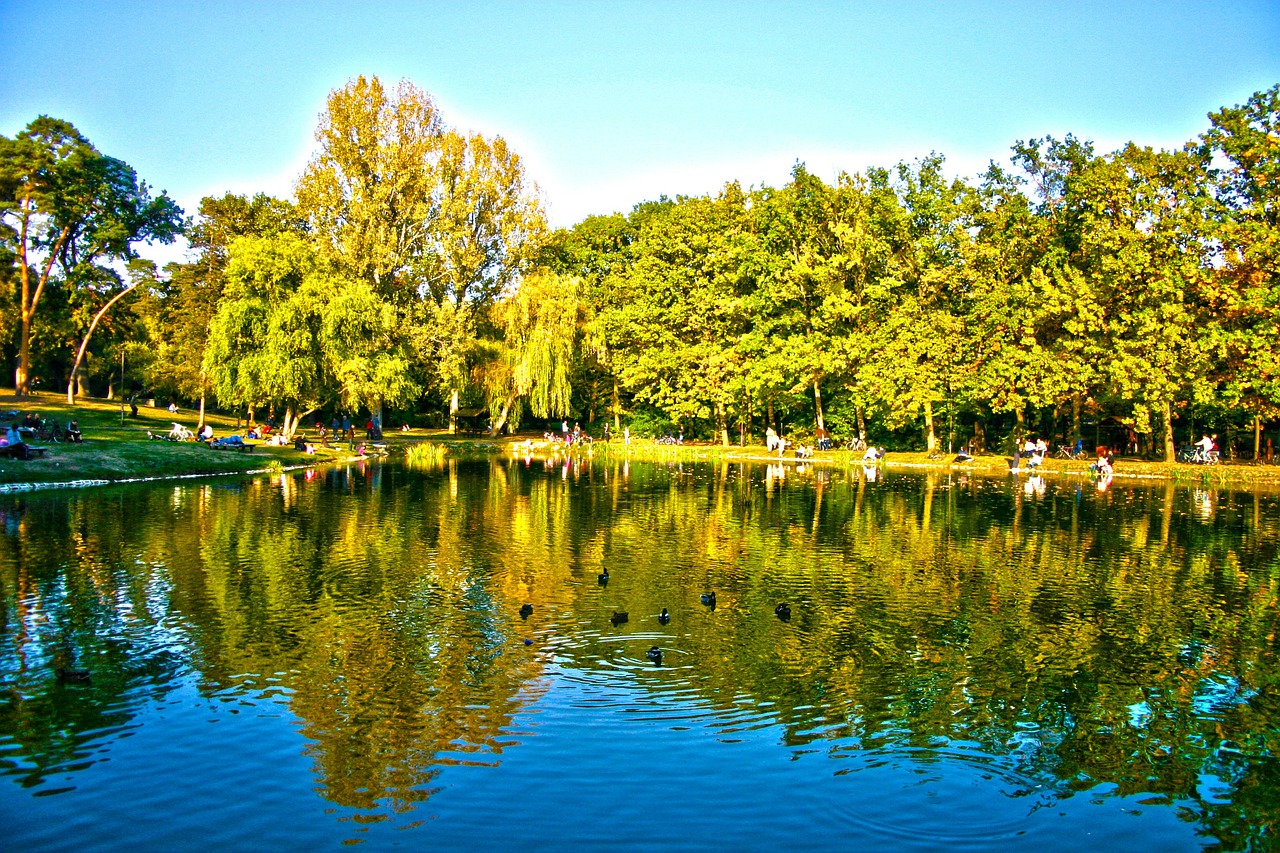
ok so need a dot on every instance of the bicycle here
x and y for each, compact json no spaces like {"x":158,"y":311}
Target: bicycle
{"x":855,"y":444}
{"x":1066,"y":451}
{"x":1196,"y":455}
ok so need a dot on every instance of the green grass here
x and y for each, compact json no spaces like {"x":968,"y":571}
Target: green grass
{"x":114,"y":450}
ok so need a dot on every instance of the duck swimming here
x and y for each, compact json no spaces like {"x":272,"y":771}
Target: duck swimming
{"x":618,"y":618}
{"x":783,"y":612}
{"x":664,"y":617}
{"x":603,"y":577}
{"x":526,"y":611}
{"x":709,"y":599}
{"x":655,"y":655}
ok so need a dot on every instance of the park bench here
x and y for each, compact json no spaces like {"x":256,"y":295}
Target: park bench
{"x":22,"y":451}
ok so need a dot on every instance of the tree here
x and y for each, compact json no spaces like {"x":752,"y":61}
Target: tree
{"x":72,"y":207}
{"x":420,"y":212}
{"x":290,"y":328}
{"x":1245,"y":301}
{"x":541,"y":323}
{"x":678,"y":309}
{"x":917,"y":342}
{"x":179,"y":315}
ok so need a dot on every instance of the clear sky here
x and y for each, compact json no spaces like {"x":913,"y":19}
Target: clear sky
{"x":613,"y":103}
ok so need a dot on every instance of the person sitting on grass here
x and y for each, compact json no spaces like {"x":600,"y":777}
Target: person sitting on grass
{"x":300,"y":444}
{"x":206,"y":433}
{"x":73,"y":432}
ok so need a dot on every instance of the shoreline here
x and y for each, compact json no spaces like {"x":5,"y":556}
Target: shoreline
{"x":122,"y":454}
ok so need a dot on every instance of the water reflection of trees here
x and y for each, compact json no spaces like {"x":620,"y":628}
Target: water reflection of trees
{"x":1123,"y":638}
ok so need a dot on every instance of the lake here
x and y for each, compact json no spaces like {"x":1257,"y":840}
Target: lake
{"x":319,"y":658}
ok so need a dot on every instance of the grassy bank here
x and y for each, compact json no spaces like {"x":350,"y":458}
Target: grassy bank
{"x":1225,"y":475}
{"x":118,"y":449}
{"x":114,"y":449}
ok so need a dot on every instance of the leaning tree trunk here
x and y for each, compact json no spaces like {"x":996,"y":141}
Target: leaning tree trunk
{"x":71,"y":382}
{"x":502,"y":418}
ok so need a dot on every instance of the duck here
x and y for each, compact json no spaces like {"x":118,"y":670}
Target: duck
{"x":526,"y":611}
{"x":618,"y":618}
{"x":603,"y":577}
{"x":74,"y":676}
{"x":664,"y":617}
{"x":655,"y":655}
{"x":783,"y":612}
{"x":709,"y":599}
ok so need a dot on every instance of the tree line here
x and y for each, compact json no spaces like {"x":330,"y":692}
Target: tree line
{"x":414,"y":271}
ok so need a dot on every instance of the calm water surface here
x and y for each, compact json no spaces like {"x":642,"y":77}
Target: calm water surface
{"x":308,"y":660}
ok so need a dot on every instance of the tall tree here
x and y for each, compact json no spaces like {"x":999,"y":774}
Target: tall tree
{"x":1245,"y":304}
{"x":420,"y":212}
{"x":179,"y":316}
{"x":69,"y":207}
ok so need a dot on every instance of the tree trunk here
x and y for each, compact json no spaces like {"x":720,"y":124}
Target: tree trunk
{"x":22,"y":377}
{"x":1075,"y":419}
{"x":1019,"y":429}
{"x":722,"y":426}
{"x":453,"y":412}
{"x":862,"y":423}
{"x":202,"y":405}
{"x":1257,"y":438}
{"x":817,"y":404}
{"x":617,"y":409}
{"x":502,"y":418}
{"x":769,"y":419}
{"x":71,"y":382}
{"x":930,"y":437}
{"x":1169,"y":453}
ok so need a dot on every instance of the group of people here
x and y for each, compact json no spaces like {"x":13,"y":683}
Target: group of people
{"x":1034,"y":450}
{"x":1105,"y":465}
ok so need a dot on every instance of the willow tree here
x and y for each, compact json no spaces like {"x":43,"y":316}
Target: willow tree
{"x":542,"y":324}
{"x":419,"y":212}
{"x":290,"y":328}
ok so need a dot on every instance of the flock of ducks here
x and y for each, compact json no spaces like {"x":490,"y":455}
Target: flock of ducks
{"x":782,"y":611}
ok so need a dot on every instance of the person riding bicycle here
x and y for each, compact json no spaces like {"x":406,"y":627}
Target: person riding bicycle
{"x":1207,"y":444}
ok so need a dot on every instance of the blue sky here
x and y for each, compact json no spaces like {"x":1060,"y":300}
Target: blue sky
{"x":614,"y":103}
